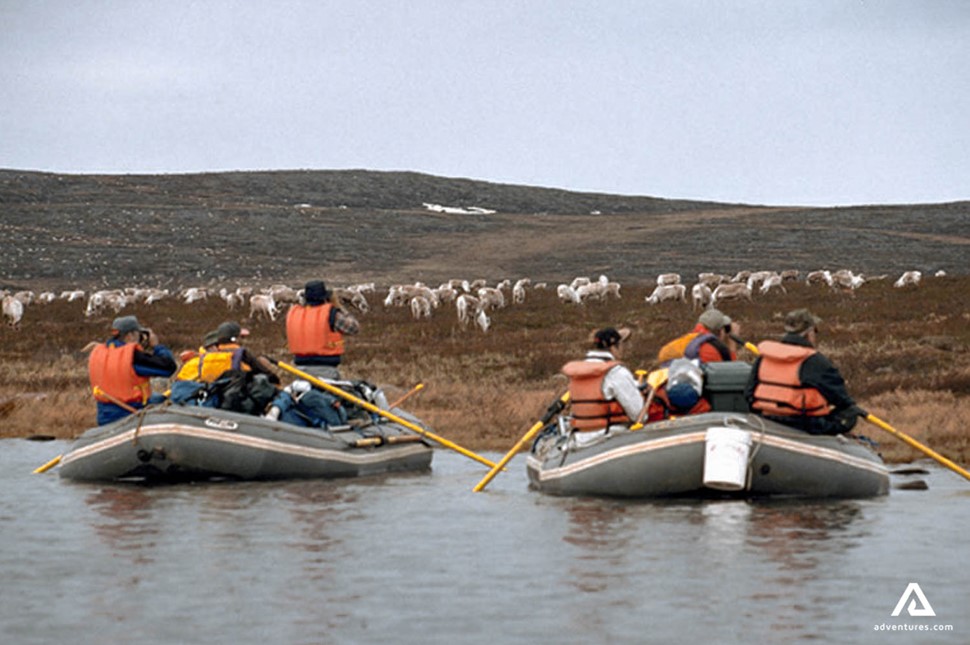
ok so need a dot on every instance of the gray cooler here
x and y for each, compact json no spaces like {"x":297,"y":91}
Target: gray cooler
{"x":724,"y":385}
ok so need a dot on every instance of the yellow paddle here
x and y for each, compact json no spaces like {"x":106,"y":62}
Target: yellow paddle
{"x":553,"y":410}
{"x":376,"y":410}
{"x":905,"y":438}
{"x":879,"y":423}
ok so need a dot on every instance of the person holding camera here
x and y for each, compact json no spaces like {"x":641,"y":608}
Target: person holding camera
{"x":711,"y":340}
{"x":120,"y":369}
{"x":315,"y":330}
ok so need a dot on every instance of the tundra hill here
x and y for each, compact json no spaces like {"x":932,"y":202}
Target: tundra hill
{"x":231,"y":228}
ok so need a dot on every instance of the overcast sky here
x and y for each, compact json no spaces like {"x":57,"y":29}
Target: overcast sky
{"x":774,"y":102}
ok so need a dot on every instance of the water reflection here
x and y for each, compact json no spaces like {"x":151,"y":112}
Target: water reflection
{"x":125,"y":520}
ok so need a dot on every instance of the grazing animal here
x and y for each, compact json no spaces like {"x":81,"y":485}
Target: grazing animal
{"x":464,"y":305}
{"x":262,"y":304}
{"x":732,"y":290}
{"x":483,"y":321}
{"x":13,"y":310}
{"x":909,"y":278}
{"x":567,"y":293}
{"x":665,"y":279}
{"x":773,"y":282}
{"x":668,"y":292}
{"x":700,"y":296}
{"x":420,"y":307}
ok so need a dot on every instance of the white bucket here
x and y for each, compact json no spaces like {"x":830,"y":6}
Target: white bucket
{"x":726,"y":458}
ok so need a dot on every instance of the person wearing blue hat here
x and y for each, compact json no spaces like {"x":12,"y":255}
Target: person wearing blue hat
{"x":120,"y":369}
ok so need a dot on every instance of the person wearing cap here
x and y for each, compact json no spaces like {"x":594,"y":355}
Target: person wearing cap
{"x":315,"y":331}
{"x":603,"y":393}
{"x":709,"y":341}
{"x":794,"y":384}
{"x":222,"y":350}
{"x":121,"y":368}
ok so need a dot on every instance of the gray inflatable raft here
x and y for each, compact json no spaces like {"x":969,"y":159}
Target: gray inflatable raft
{"x":175,"y":443}
{"x":713,"y":454}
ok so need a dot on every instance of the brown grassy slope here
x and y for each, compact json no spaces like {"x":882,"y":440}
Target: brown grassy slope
{"x":904,"y":353}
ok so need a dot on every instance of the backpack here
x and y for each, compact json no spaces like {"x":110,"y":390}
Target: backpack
{"x":685,"y":381}
{"x":241,"y":391}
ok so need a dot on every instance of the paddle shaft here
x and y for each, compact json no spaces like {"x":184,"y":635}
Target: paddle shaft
{"x":926,"y":450}
{"x":376,"y":410}
{"x":417,"y":388}
{"x":553,"y":410}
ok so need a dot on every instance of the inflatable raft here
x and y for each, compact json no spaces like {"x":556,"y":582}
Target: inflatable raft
{"x":724,"y":452}
{"x":176,"y":443}
{"x":712,"y":454}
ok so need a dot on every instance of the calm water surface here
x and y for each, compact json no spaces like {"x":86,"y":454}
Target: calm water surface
{"x":419,"y":558}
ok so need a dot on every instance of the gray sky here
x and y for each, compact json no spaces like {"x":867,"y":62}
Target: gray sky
{"x":778,"y":102}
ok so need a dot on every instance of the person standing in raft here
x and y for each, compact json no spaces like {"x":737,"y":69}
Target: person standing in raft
{"x":603,"y":393}
{"x":121,"y":368}
{"x":315,"y":331}
{"x":792,"y":383}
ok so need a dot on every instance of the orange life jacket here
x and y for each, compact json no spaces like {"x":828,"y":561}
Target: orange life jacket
{"x":779,"y":391}
{"x":112,"y":371}
{"x":308,"y":331}
{"x":209,"y":364}
{"x":590,"y":411}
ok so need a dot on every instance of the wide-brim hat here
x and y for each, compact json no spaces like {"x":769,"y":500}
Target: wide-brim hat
{"x":315,"y":292}
{"x":230,"y":331}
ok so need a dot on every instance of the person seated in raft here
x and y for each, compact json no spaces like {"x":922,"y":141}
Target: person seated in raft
{"x":711,"y":340}
{"x":604,"y":395}
{"x":793,"y":383}
{"x":120,"y":369}
{"x":222,"y":350}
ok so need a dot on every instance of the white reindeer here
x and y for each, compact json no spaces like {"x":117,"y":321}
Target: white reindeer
{"x":700,"y":296}
{"x":729,"y":291}
{"x":13,"y":310}
{"x":262,"y":303}
{"x":909,"y":278}
{"x":668,"y":292}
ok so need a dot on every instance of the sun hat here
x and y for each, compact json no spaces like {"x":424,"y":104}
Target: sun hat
{"x":800,"y":320}
{"x":230,"y":331}
{"x":609,"y":337}
{"x":714,"y":320}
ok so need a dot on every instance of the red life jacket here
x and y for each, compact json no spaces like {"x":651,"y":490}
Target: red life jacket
{"x":661,"y":408}
{"x":111,"y":369}
{"x":308,"y":331}
{"x":590,"y":411}
{"x":779,"y":391}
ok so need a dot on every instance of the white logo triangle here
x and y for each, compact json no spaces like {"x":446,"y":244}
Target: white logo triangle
{"x":924,"y":610}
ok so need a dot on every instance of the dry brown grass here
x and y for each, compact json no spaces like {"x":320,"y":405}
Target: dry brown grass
{"x":904,"y":353}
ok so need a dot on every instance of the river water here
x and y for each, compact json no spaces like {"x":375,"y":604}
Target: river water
{"x":419,"y":558}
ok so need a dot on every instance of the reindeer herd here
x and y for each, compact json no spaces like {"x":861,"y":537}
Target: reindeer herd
{"x":474,"y":301}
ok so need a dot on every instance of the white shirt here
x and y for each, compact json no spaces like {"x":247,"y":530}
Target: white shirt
{"x":619,"y":384}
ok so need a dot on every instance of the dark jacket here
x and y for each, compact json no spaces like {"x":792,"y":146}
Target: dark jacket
{"x":817,"y":371}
